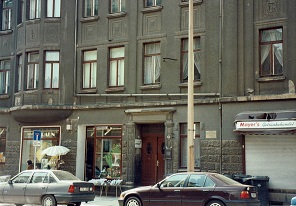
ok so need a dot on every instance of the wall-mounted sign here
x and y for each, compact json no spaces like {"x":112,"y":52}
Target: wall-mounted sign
{"x":266,"y":124}
{"x":138,"y":143}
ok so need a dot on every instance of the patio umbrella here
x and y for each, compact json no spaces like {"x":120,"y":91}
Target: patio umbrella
{"x":55,"y":151}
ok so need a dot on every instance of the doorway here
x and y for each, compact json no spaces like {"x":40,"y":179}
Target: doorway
{"x":153,"y":148}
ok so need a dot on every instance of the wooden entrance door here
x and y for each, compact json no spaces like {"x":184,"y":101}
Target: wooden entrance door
{"x":153,"y":147}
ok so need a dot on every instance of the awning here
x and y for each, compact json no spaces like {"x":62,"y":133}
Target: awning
{"x":266,"y":122}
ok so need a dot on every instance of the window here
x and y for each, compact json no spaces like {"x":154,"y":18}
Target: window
{"x":91,"y":8}
{"x":6,"y":14}
{"x":53,"y":8}
{"x":89,"y":69}
{"x":50,"y":137}
{"x":35,"y":9}
{"x":33,"y":70}
{"x":197,"y":59}
{"x":271,"y":52}
{"x":116,"y":71}
{"x":177,"y":180}
{"x":149,"y":3}
{"x":2,"y":144}
{"x":21,"y":11}
{"x":4,"y":76}
{"x":117,"y":6}
{"x":152,"y":63}
{"x":105,"y":142}
{"x":184,"y":147}
{"x":52,"y":68}
{"x":19,"y":72}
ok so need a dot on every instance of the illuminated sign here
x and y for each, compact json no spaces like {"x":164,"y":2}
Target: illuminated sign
{"x":266,"y":124}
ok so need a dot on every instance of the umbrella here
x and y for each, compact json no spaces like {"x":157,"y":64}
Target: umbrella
{"x":55,"y":151}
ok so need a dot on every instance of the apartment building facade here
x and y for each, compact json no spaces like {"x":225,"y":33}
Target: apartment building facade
{"x":108,"y":80}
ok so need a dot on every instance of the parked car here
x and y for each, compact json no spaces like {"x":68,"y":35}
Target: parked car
{"x":46,"y":187}
{"x":192,"y":189}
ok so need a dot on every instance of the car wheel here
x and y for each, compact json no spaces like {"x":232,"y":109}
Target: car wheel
{"x":133,"y":201}
{"x":18,"y":205}
{"x":49,"y":200}
{"x":215,"y":203}
{"x":77,"y":203}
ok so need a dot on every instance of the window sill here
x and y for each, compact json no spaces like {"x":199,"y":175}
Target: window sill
{"x":33,"y":21}
{"x":271,"y":79}
{"x":186,"y":4}
{"x":195,"y":84}
{"x":151,"y":9}
{"x":4,"y":96}
{"x":5,"y":32}
{"x":89,"y":19}
{"x":116,"y":15}
{"x":52,"y":19}
{"x":115,"y":89}
{"x":150,"y":87}
{"x":88,"y":91}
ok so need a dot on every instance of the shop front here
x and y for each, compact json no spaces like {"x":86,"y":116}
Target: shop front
{"x":269,"y":144}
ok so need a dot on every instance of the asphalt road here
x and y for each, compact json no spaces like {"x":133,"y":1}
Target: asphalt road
{"x":99,"y":201}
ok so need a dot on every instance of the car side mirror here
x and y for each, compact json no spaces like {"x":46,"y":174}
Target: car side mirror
{"x":158,"y":185}
{"x":9,"y":181}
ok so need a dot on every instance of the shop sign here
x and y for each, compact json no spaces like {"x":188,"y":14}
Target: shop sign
{"x":266,"y":124}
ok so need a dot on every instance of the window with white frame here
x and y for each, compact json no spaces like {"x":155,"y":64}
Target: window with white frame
{"x":117,"y":6}
{"x":116,"y":70}
{"x":271,"y":52}
{"x":197,"y":59}
{"x":53,"y":8}
{"x":52,"y":69}
{"x":4,"y":76}
{"x":89,"y":73}
{"x":19,"y":72}
{"x":150,"y":3}
{"x":34,"y":9}
{"x":6,"y":14}
{"x":184,"y":146}
{"x":33,"y":70}
{"x":152,"y":63}
{"x":91,"y":8}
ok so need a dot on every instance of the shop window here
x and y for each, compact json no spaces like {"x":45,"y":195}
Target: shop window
{"x":271,"y":52}
{"x":89,"y":69}
{"x":103,"y":155}
{"x":53,"y":8}
{"x":4,"y":76}
{"x":184,"y":147}
{"x":117,"y":6}
{"x":152,"y":63}
{"x":50,"y":136}
{"x":197,"y":59}
{"x":2,"y":144}
{"x":116,"y":70}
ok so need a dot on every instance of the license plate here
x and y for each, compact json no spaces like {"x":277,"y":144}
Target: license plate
{"x":84,"y":189}
{"x":253,"y":195}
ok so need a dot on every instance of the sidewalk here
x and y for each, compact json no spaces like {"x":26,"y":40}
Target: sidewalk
{"x":99,"y":201}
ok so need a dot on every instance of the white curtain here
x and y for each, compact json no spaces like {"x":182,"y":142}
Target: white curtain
{"x":152,"y":63}
{"x":268,"y":36}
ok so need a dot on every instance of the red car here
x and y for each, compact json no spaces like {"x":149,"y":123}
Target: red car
{"x":192,"y":189}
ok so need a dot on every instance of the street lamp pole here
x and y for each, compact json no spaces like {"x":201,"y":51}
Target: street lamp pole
{"x":190,"y":107}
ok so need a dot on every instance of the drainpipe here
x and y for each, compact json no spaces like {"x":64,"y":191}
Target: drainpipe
{"x":220,"y":78}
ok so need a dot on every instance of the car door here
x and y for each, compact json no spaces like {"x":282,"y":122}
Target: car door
{"x":169,"y":191}
{"x":14,"y":192}
{"x":199,"y":188}
{"x":36,"y":187}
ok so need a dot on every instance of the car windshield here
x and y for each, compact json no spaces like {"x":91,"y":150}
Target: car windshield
{"x":226,"y":180}
{"x":64,"y":175}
